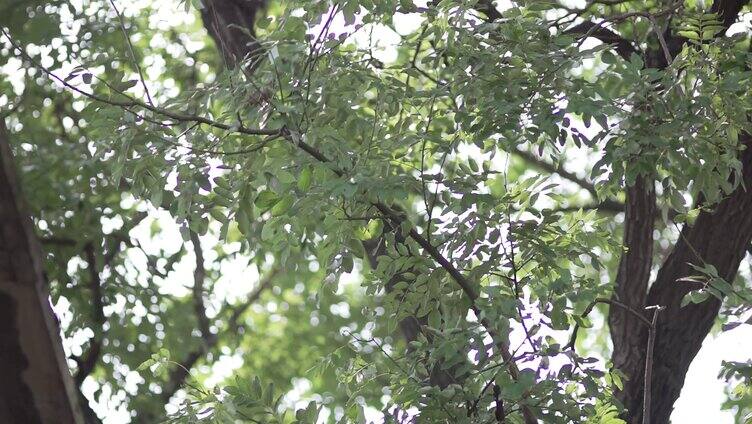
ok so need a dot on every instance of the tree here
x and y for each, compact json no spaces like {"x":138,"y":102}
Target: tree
{"x":39,"y":388}
{"x":422,"y":175}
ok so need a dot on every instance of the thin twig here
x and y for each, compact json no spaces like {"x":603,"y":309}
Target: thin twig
{"x":661,"y":39}
{"x":132,"y":102}
{"x":233,"y":321}
{"x":649,"y":364}
{"x":199,"y":277}
{"x":606,"y":205}
{"x":590,"y":307}
{"x":133,"y":54}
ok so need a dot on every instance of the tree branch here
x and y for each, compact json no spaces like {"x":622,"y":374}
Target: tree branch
{"x":573,"y":338}
{"x":467,"y":288}
{"x":133,"y":53}
{"x":180,"y":372}
{"x":728,"y":10}
{"x":488,"y":8}
{"x":199,"y":278}
{"x":606,"y":205}
{"x":233,"y":323}
{"x":88,"y":361}
{"x":37,"y":385}
{"x":719,"y":238}
{"x":231,"y":24}
{"x":121,"y":236}
{"x":132,"y":102}
{"x":649,"y":365}
{"x":58,"y":241}
{"x":623,"y":47}
{"x":295,"y":140}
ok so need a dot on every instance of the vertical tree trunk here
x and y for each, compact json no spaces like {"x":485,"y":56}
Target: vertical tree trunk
{"x":230,"y":23}
{"x":627,"y":331}
{"x":37,"y":386}
{"x":719,"y":238}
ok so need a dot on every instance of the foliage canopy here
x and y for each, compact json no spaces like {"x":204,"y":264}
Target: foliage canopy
{"x":427,"y":222}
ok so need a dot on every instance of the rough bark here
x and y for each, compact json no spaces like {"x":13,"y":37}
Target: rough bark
{"x":627,"y":332}
{"x":230,"y":24}
{"x":37,"y":386}
{"x":719,"y":238}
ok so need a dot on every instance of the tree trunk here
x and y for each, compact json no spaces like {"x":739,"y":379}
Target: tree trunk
{"x":719,"y":238}
{"x":230,"y":23}
{"x":37,"y":386}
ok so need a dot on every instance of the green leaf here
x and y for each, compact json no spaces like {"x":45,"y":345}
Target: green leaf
{"x":616,"y":378}
{"x":583,"y":322}
{"x":695,"y":296}
{"x":692,"y":35}
{"x":146,"y":364}
{"x":607,"y":57}
{"x":304,"y":180}
{"x":223,"y":201}
{"x":227,"y":194}
{"x":222,"y":182}
{"x":256,"y":388}
{"x":264,"y":22}
{"x":125,"y":85}
{"x":283,"y":205}
{"x":370,"y":231}
{"x":266,"y":199}
{"x":708,"y":34}
{"x":722,"y":286}
{"x":218,"y":215}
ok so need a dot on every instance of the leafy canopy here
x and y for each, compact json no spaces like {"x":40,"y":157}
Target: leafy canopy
{"x":409,"y":174}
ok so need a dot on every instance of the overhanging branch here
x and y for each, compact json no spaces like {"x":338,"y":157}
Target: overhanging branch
{"x":623,"y":47}
{"x":605,"y":205}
